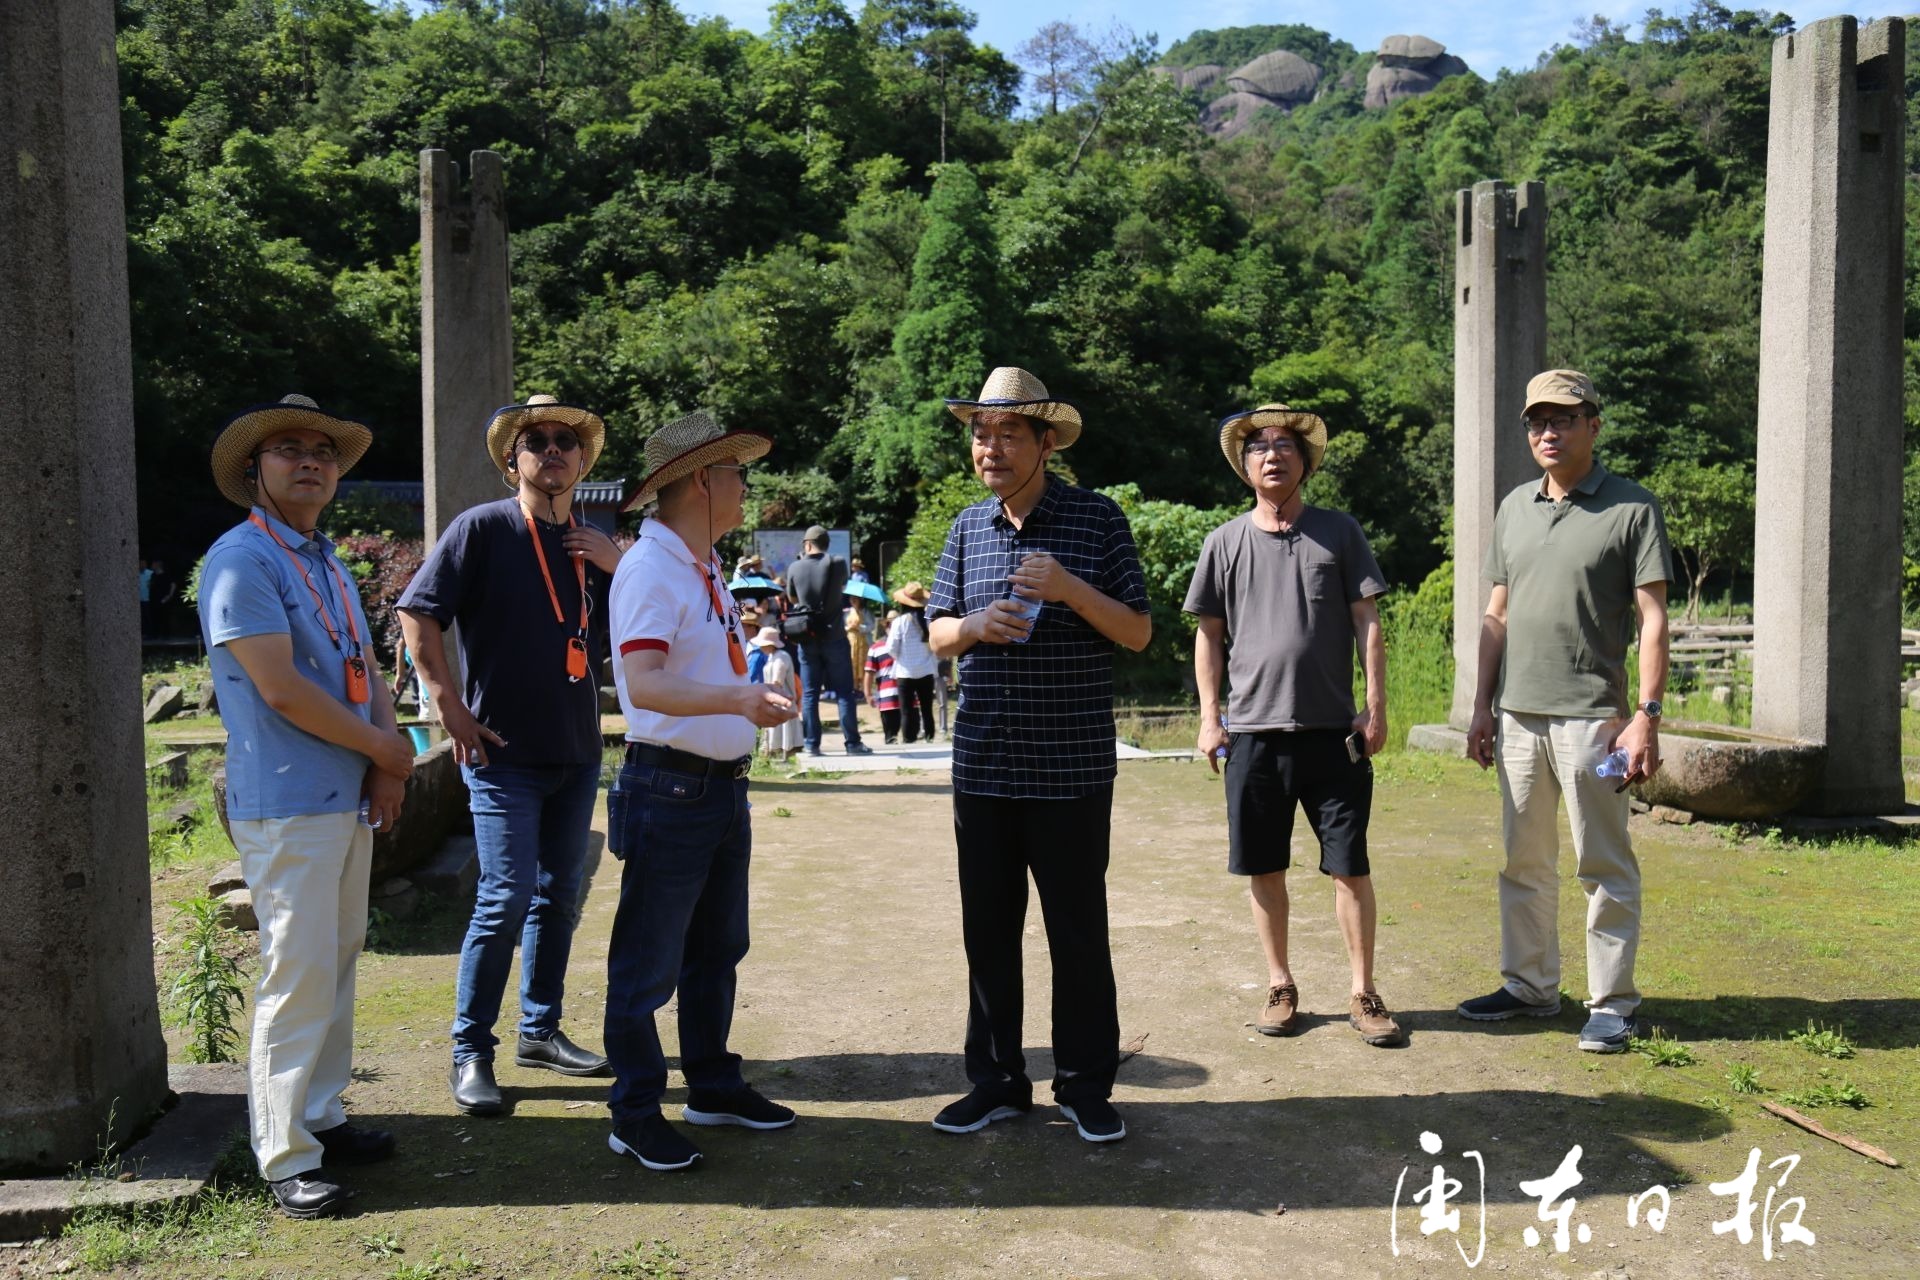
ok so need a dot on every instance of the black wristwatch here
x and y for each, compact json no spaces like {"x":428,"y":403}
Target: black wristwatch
{"x":1651,"y":709}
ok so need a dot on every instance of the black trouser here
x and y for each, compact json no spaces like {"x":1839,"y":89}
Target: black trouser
{"x":917,"y":691}
{"x":890,"y":724}
{"x":1064,"y":844}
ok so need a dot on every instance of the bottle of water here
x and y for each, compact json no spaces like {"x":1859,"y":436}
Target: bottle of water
{"x":1220,"y":752}
{"x":1614,"y":766}
{"x":1029,"y":610}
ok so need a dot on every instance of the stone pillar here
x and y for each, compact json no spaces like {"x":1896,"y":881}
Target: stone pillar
{"x":466,"y":331}
{"x":1499,"y":342}
{"x":85,"y":1059}
{"x":1827,"y":565}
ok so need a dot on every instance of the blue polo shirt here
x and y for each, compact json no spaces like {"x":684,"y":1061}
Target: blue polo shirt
{"x":250,"y":587}
{"x":1036,"y":719}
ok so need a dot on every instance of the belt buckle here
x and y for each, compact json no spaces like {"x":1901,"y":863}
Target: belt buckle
{"x":742,"y":767}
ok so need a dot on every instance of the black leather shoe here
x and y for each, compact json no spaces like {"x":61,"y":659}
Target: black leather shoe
{"x":308,"y":1195}
{"x":474,"y":1091}
{"x":347,"y":1144}
{"x":557,"y":1053}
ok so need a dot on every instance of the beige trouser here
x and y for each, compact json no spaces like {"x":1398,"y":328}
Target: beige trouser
{"x":308,"y":875}
{"x":1543,"y":758}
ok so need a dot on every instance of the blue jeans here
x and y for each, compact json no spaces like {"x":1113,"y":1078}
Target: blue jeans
{"x":682,"y":922}
{"x":531,"y":826}
{"x":826,"y":663}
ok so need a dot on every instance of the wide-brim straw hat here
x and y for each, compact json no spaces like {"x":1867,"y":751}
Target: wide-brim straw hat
{"x":768,"y":638}
{"x":1013,"y":390}
{"x":688,"y":443}
{"x":1236,"y":427}
{"x":240,"y":439}
{"x":913,"y":595}
{"x":510,"y":420}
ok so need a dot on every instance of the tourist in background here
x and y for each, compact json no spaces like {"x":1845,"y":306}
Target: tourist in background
{"x":914,"y":665}
{"x":780,"y":741}
{"x":882,"y":693}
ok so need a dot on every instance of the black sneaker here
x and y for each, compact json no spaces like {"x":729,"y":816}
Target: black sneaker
{"x":349,"y":1144}
{"x":859,"y":749}
{"x":1500,"y":1005}
{"x":1096,"y":1119}
{"x":743,"y":1106}
{"x":654,"y":1143}
{"x":979,"y":1109}
{"x":308,"y":1195}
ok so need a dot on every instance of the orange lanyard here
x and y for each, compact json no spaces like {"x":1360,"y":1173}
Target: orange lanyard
{"x":734,"y":654}
{"x":579,"y":573}
{"x":357,"y":685}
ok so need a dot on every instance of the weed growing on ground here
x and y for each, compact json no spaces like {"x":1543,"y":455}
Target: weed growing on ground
{"x":1742,"y":1078}
{"x":1828,"y":1042}
{"x":654,"y":1259}
{"x":224,"y":1222}
{"x":1828,"y":1094}
{"x":782,"y":812}
{"x":209,"y":991}
{"x":1658,"y":1050}
{"x":1714,"y":1102}
{"x":380,"y":1246}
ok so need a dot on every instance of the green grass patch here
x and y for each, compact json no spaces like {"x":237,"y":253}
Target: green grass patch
{"x":1660,"y":1051}
{"x":1742,"y":1078}
{"x":1841,"y":1093}
{"x":1827,"y":1042}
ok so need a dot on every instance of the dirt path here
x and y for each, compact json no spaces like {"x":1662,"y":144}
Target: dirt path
{"x":851,"y":1009}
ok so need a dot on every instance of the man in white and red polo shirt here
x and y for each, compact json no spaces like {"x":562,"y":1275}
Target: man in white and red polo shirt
{"x":678,"y":814}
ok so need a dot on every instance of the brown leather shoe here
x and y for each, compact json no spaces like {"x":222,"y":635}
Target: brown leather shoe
{"x":1368,"y":1014}
{"x":1281,"y":1017}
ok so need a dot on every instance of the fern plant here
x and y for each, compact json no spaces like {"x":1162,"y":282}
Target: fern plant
{"x":209,"y":991}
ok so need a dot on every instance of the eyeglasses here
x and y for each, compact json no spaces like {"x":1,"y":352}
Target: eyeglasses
{"x":745,"y":483}
{"x":1003,"y":440}
{"x":1558,"y":423}
{"x":1284,"y":445}
{"x":324,"y":454}
{"x":537,"y":441}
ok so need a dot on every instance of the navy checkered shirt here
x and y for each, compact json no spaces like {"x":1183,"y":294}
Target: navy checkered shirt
{"x":1036,"y":719}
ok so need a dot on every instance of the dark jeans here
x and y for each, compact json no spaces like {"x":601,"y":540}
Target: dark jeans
{"x":530,"y":824}
{"x":826,"y":662}
{"x":890,"y":724}
{"x":1064,"y":844}
{"x":682,"y":922}
{"x":916,"y":692}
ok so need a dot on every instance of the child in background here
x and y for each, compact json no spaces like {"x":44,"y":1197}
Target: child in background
{"x":781,"y":740}
{"x":880,"y":688}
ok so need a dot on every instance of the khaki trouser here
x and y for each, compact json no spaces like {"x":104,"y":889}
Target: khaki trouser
{"x":308,"y":875}
{"x":1541,"y":759}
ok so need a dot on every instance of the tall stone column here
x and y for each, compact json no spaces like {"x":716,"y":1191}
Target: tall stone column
{"x":1499,"y":342}
{"x":85,"y":1060}
{"x":466,"y":330}
{"x":1827,"y":565}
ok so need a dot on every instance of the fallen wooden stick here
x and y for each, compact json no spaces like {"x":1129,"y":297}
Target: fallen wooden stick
{"x":1866,"y":1149}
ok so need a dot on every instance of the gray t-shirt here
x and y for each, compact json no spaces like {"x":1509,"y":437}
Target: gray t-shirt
{"x":1287,"y":599}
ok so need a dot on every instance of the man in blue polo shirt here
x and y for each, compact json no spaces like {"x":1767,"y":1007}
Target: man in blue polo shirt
{"x":526,"y":580}
{"x":1036,"y":585}
{"x":315,"y":765}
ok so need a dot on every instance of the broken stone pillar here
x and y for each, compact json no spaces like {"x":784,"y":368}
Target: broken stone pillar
{"x":1499,"y":342}
{"x":466,"y":330}
{"x":1827,"y":564}
{"x":85,"y":1060}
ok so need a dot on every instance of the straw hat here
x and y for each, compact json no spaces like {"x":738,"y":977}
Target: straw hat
{"x":1236,"y":427}
{"x":685,"y":445}
{"x":768,"y":638}
{"x":508,"y":422}
{"x":1012,"y":390}
{"x":913,"y":596}
{"x":240,"y":439}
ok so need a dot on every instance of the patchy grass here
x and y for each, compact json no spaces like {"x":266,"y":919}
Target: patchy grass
{"x":1660,"y":1051}
{"x":1827,"y":1042}
{"x":1742,"y":1078}
{"x":1842,"y":1093}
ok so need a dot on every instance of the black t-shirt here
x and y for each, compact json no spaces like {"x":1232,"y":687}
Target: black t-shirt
{"x":817,"y":584}
{"x":483,"y":576}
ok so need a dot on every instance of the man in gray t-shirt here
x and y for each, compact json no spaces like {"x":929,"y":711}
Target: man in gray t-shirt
{"x":1291,"y":589}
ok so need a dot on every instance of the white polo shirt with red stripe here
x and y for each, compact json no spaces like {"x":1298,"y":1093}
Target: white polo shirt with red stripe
{"x":661,"y":601}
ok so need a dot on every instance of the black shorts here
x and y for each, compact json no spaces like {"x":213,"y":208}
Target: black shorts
{"x":1268,"y":773}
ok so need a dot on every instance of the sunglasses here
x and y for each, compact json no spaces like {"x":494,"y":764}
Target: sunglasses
{"x":537,"y":441}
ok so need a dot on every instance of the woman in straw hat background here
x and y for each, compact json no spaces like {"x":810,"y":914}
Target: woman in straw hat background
{"x":678,"y":814}
{"x":914,"y":665}
{"x":526,"y":581}
{"x":301,"y":691}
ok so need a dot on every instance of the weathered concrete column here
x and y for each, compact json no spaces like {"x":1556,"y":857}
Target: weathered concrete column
{"x":76,"y":923}
{"x":1827,"y":565}
{"x":466,"y":330}
{"x":1499,"y":342}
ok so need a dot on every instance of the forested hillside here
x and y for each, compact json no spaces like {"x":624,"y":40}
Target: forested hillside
{"x":823,"y":229}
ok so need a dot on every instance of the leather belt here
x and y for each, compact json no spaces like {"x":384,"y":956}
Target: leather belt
{"x":686,"y":762}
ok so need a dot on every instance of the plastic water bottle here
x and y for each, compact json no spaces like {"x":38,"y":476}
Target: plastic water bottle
{"x":1220,"y":752}
{"x":1614,"y":766}
{"x":1027,"y":609}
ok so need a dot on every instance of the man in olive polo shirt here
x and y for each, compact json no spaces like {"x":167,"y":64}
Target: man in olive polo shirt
{"x":1573,"y":557}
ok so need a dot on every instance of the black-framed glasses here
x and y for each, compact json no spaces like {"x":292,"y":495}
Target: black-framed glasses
{"x":324,"y":454}
{"x":746,"y":482}
{"x":1559,"y":422}
{"x":1284,"y":445}
{"x":537,"y":441}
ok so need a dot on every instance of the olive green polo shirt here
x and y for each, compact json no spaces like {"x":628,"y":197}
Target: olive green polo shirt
{"x":1570,"y":569}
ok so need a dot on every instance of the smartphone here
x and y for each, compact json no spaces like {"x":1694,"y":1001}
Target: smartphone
{"x":1356,"y":746}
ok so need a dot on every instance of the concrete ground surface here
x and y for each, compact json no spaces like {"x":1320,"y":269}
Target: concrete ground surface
{"x":1246,"y":1155}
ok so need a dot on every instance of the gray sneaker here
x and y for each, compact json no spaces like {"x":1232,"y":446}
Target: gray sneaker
{"x":1608,"y":1033}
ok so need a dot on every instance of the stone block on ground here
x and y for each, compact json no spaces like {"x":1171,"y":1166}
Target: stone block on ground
{"x":170,"y":770}
{"x":1722,"y":696}
{"x":1670,"y":815}
{"x":396,"y":897}
{"x":205,"y":701}
{"x":1443,"y":738}
{"x":454,"y":872}
{"x":175,"y":817}
{"x":165,"y":703}
{"x":226,"y":880}
{"x":236,"y":908}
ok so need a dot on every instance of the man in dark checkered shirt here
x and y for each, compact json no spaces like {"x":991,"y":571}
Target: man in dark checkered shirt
{"x":1036,"y":585}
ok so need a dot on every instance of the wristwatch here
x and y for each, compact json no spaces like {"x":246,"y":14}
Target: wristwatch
{"x":1652,"y":709}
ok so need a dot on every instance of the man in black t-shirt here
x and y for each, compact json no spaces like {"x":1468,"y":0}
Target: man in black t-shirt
{"x":526,"y":580}
{"x":817,"y":584}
